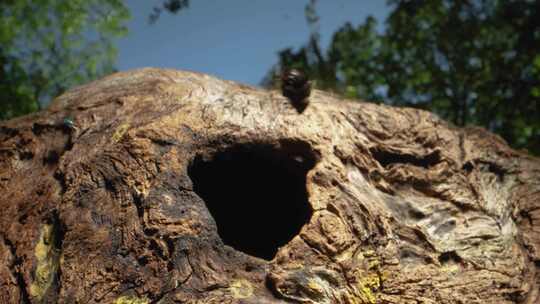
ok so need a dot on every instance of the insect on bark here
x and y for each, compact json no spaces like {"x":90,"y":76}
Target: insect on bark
{"x":296,"y":86}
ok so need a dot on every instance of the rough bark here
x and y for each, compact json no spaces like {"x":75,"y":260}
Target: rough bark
{"x":401,"y":206}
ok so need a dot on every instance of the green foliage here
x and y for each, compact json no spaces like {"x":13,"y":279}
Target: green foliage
{"x":48,"y":46}
{"x":171,"y":6}
{"x":472,"y":62}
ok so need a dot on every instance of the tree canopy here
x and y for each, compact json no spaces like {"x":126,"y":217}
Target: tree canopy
{"x":472,"y":62}
{"x":171,"y":6}
{"x":48,"y":46}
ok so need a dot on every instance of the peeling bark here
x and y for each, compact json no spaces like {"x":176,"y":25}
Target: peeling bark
{"x":349,"y":202}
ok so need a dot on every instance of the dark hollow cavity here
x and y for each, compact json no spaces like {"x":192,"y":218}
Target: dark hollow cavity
{"x":256,"y":194}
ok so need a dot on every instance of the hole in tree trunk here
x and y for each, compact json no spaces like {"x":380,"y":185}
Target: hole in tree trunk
{"x":256,"y":194}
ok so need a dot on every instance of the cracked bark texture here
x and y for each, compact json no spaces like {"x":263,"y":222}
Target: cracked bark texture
{"x":406,"y":208}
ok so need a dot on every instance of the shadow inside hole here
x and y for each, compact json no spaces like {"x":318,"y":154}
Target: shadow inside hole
{"x":256,"y":194}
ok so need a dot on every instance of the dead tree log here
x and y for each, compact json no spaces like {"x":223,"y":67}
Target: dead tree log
{"x":175,"y":187}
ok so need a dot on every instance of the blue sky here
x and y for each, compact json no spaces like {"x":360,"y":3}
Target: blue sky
{"x":235,"y":39}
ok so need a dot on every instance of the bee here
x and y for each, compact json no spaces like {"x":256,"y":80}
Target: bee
{"x":68,"y":125}
{"x":296,"y":86}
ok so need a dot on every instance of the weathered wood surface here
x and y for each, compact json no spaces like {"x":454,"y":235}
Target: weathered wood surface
{"x":406,"y":209}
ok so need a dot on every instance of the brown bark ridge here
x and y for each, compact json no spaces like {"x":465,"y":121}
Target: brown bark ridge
{"x":177,"y":187}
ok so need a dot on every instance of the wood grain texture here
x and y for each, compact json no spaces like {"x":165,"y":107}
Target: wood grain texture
{"x":406,"y":208}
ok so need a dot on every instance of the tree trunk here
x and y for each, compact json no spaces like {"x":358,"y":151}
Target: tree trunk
{"x":176,"y":187}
